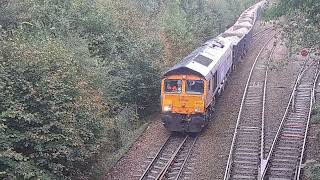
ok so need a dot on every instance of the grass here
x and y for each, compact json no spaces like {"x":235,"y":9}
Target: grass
{"x":106,"y":160}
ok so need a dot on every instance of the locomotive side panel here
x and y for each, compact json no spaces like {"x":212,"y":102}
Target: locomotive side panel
{"x":189,"y":88}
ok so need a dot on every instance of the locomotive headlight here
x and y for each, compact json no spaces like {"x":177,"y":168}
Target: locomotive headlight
{"x":197,"y":109}
{"x":167,"y":108}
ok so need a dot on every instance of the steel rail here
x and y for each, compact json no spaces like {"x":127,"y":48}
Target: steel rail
{"x":263,"y":33}
{"x":166,"y":167}
{"x":255,"y":34}
{"x":308,"y":122}
{"x":186,"y":159}
{"x":302,"y":71}
{"x":155,"y":158}
{"x":264,"y":103}
{"x":229,"y":162}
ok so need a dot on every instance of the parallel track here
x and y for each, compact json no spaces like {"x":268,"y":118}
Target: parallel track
{"x":285,"y":157}
{"x":261,"y":31}
{"x":244,"y":157}
{"x":169,"y":162}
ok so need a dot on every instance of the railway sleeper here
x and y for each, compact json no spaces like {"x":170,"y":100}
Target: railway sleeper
{"x":251,"y":105}
{"x":245,"y":158}
{"x":250,"y":128}
{"x":283,"y":161}
{"x":161,"y":163}
{"x":158,"y":167}
{"x":296,"y":121}
{"x":293,"y":136}
{"x":302,"y":111}
{"x":303,"y":104}
{"x":251,"y":122}
{"x":284,"y":156}
{"x":247,"y":154}
{"x":271,"y":178}
{"x":175,"y":168}
{"x":164,"y":159}
{"x":238,"y":176}
{"x":180,"y":159}
{"x":252,"y":139}
{"x":241,"y":169}
{"x":154,"y":171}
{"x":290,"y":143}
{"x":254,"y":94}
{"x":248,"y":133}
{"x":293,"y":132}
{"x":300,"y":115}
{"x":288,"y":148}
{"x":247,"y":139}
{"x":151,"y":177}
{"x":295,"y":124}
{"x":250,"y":150}
{"x":284,"y":153}
{"x":247,"y":162}
{"x":172,"y":173}
{"x":255,"y":98}
{"x":177,"y":164}
{"x":280,"y":177}
{"x":282,"y":171}
{"x":248,"y":145}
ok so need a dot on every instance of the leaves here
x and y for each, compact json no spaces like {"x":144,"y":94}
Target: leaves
{"x":302,"y":22}
{"x":77,"y":76}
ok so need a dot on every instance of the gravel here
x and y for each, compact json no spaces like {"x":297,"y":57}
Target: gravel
{"x":211,"y":151}
{"x":281,"y":79}
{"x":213,"y":147}
{"x":313,"y":141}
{"x":131,"y":166}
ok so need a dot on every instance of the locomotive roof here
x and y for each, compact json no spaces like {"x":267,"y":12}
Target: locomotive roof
{"x":201,"y":61}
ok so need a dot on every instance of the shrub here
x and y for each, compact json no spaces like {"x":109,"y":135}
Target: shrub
{"x":52,"y":122}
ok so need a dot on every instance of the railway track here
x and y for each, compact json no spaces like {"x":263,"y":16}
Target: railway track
{"x":247,"y":144}
{"x":262,"y":31}
{"x":170,"y":161}
{"x":285,"y":157}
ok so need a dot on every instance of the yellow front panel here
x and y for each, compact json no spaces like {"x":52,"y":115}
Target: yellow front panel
{"x":183,"y":103}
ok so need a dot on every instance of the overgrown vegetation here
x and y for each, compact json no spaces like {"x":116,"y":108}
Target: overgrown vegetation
{"x":77,"y":76}
{"x":302,"y":22}
{"x":301,"y":30}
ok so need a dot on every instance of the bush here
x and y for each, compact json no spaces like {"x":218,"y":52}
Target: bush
{"x":78,"y":76}
{"x":52,"y":122}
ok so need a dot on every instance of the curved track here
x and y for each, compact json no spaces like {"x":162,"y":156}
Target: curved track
{"x":285,"y":157}
{"x":169,"y":162}
{"x":247,"y":143}
{"x":262,"y":31}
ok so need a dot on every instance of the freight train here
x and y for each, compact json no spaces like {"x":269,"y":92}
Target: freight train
{"x":190,"y":88}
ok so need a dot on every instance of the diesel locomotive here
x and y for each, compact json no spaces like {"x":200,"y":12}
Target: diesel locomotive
{"x":190,"y":88}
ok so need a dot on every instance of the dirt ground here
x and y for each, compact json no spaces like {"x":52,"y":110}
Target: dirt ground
{"x":211,"y":150}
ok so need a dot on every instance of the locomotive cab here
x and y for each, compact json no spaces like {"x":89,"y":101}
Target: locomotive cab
{"x":183,"y":103}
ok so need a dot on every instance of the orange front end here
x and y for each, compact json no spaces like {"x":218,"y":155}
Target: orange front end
{"x":183,"y":103}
